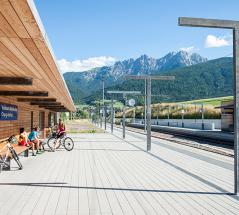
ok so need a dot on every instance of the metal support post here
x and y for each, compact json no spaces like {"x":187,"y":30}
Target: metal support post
{"x":236,"y":108}
{"x":100,"y":118}
{"x":168,"y":115}
{"x":105,"y":114}
{"x":234,"y":25}
{"x":112,"y":115}
{"x":123,"y":124}
{"x":202,"y":117}
{"x":182,"y":116}
{"x":148,"y":114}
{"x":145,"y":104}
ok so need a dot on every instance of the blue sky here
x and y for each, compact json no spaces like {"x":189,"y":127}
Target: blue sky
{"x":84,"y":33}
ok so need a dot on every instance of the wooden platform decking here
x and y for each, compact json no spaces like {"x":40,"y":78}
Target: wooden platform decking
{"x":106,"y":175}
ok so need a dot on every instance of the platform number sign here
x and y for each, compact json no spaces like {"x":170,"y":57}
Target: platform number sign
{"x":8,"y":112}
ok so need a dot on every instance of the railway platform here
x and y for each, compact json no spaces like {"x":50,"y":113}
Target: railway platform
{"x":105,"y":174}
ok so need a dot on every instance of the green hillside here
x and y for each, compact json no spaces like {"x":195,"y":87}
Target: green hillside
{"x":211,"y":101}
{"x":206,"y":80}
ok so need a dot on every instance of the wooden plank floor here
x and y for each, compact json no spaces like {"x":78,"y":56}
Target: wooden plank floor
{"x":106,"y":175}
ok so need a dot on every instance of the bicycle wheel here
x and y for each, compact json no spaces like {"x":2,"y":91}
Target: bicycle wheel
{"x":68,"y":144}
{"x":51,"y":143}
{"x":16,"y":158}
{"x":60,"y":143}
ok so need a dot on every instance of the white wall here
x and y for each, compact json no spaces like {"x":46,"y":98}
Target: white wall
{"x":209,"y":124}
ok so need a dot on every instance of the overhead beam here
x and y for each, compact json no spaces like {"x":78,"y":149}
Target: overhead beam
{"x":15,"y":81}
{"x":143,"y":77}
{"x":51,"y":107}
{"x":44,"y":100}
{"x":123,"y":92}
{"x":54,"y":107}
{"x":46,"y":103}
{"x":62,"y":111}
{"x":208,"y":23}
{"x":24,"y":93}
{"x":59,"y":110}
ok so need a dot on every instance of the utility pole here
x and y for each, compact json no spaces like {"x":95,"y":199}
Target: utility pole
{"x":148,"y":80}
{"x":234,"y":26}
{"x":168,"y":114}
{"x":202,"y":110}
{"x":124,"y":93}
{"x":145,"y":104}
{"x":112,"y":115}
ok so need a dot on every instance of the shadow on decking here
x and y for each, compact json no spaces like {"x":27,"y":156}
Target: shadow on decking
{"x":64,"y":185}
{"x":211,"y":184}
{"x":116,"y":150}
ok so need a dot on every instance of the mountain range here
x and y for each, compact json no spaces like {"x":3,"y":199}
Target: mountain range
{"x":196,"y":77}
{"x":84,"y":84}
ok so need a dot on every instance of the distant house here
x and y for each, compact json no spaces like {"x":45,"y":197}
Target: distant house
{"x":227,"y":121}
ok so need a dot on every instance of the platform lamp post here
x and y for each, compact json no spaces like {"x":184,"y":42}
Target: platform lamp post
{"x":103,"y":111}
{"x":158,"y":114}
{"x":202,"y":113}
{"x":124,"y":94}
{"x":149,"y":79}
{"x":168,"y":114}
{"x":145,"y":105}
{"x":182,"y":112}
{"x":195,"y":112}
{"x":112,"y":115}
{"x":234,"y":26}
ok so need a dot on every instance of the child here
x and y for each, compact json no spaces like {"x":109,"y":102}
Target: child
{"x":24,"y":141}
{"x":34,"y":139}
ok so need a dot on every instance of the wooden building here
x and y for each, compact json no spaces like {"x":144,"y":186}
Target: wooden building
{"x":32,"y":89}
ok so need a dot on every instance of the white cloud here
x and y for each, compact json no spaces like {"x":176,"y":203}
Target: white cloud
{"x":189,"y":49}
{"x":215,"y":42}
{"x":84,"y":65}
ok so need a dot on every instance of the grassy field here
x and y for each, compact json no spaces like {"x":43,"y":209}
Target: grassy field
{"x":192,"y":109}
{"x":211,"y":101}
{"x":82,"y":126}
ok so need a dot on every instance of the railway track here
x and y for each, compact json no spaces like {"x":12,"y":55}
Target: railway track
{"x":207,"y":144}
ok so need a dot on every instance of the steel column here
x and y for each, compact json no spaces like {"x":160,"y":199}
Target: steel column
{"x":236,"y":108}
{"x":123,"y":123}
{"x":105,"y":115}
{"x":234,"y":25}
{"x":148,"y":114}
{"x":145,"y":104}
{"x":112,"y":115}
{"x":202,"y":117}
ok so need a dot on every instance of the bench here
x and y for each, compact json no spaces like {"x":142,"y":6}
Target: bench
{"x":19,"y":149}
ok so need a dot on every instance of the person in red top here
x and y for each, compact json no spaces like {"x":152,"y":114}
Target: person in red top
{"x":61,"y":130}
{"x":23,"y":140}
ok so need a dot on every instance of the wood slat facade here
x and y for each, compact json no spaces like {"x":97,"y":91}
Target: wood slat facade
{"x":25,"y":51}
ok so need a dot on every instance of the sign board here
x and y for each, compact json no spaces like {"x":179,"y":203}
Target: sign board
{"x":131,"y":102}
{"x":8,"y":112}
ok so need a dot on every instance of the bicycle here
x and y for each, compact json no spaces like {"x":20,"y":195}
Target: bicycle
{"x":51,"y":134}
{"x":64,"y":141}
{"x":4,"y":160}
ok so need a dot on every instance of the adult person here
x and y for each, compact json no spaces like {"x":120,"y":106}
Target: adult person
{"x":23,"y":140}
{"x":61,"y":130}
{"x":34,"y":138}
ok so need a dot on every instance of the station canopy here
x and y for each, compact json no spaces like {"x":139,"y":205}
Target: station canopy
{"x":28,"y":68}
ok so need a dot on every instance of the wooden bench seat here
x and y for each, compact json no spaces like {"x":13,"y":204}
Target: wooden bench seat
{"x":19,"y":149}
